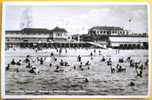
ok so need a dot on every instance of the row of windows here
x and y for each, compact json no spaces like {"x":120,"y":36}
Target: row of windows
{"x":57,"y":34}
{"x":109,"y":32}
{"x":18,"y":39}
{"x":117,"y":32}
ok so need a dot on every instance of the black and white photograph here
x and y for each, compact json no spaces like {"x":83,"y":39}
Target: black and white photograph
{"x":75,"y":49}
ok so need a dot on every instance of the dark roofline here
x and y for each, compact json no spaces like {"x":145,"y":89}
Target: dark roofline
{"x":28,"y":29}
{"x":57,"y":29}
{"x":106,"y":27}
{"x":35,"y":30}
{"x":12,"y":31}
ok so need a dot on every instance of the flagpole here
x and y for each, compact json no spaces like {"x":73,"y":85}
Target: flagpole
{"x":129,"y":22}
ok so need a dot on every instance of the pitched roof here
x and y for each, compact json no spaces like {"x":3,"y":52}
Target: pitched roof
{"x":14,"y":31}
{"x":38,"y":30}
{"x":57,"y":29}
{"x":35,"y":30}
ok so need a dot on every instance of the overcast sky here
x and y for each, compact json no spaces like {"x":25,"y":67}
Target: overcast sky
{"x":75,"y":18}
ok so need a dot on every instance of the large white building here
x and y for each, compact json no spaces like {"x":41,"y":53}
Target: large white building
{"x":30,"y":37}
{"x":58,"y":34}
{"x":130,"y":42}
{"x":114,"y":37}
{"x":107,"y":30}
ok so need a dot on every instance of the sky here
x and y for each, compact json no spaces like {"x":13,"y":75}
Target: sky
{"x":76,"y":19}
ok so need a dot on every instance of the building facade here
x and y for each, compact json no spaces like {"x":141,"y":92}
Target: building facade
{"x":102,"y":33}
{"x":101,"y":37}
{"x":114,"y":37}
{"x":107,"y":30}
{"x":58,"y":34}
{"x":32,"y":37}
{"x":129,"y":42}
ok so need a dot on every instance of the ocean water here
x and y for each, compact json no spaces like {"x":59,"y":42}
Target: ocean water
{"x":72,"y":82}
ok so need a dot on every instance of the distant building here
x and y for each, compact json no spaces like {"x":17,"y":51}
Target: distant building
{"x":100,"y":37}
{"x":31,"y":37}
{"x":114,"y":37}
{"x":58,"y":34}
{"x":107,"y":30}
{"x":102,"y":33}
{"x":129,"y":42}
